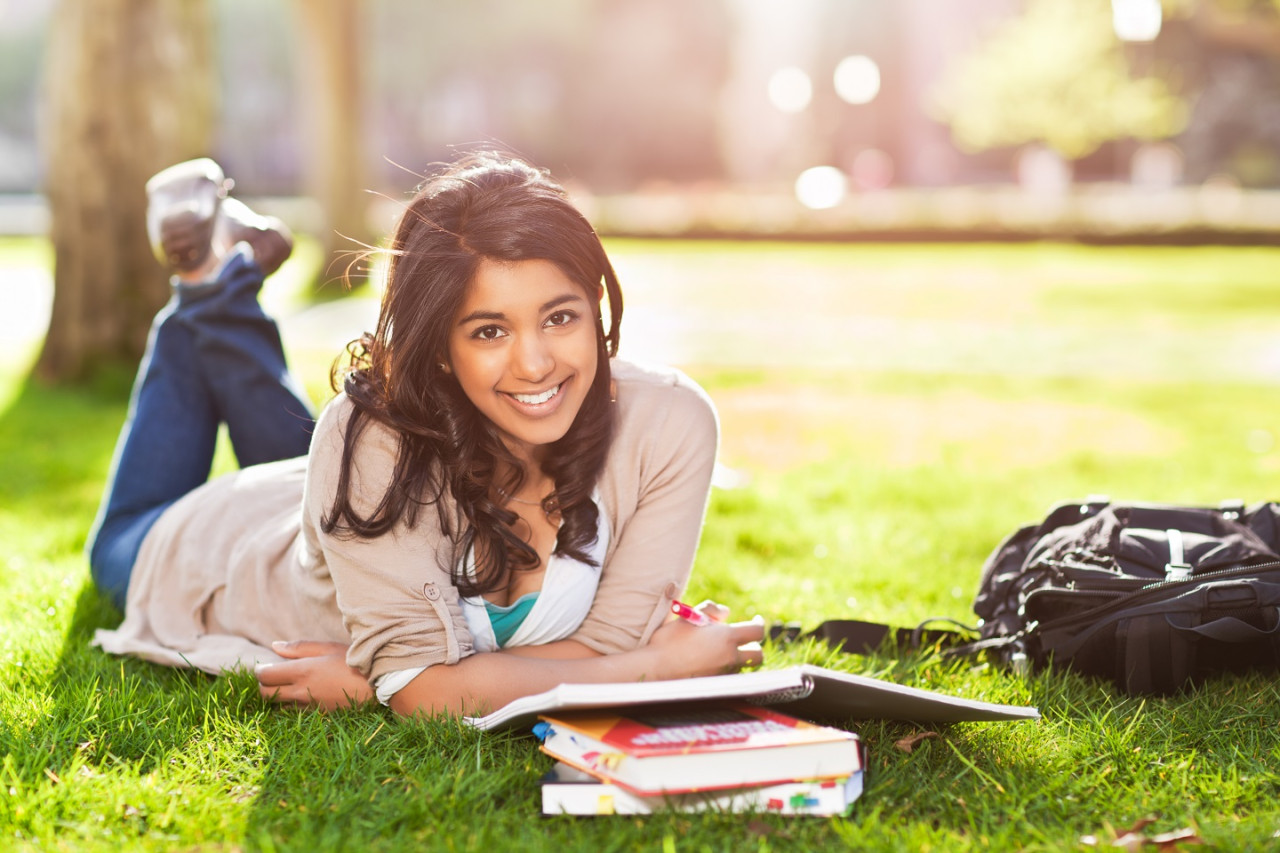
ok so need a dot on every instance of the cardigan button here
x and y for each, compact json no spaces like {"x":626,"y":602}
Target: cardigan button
{"x":431,"y":591}
{"x":672,"y":591}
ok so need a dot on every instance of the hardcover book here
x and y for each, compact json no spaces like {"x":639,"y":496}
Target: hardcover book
{"x":568,"y":790}
{"x":672,"y":749}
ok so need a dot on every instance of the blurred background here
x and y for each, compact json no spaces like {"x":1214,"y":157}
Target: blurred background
{"x":1130,"y":120}
{"x":636,"y":95}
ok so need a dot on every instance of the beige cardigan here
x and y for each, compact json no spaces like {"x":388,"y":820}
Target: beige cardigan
{"x":242,"y":561}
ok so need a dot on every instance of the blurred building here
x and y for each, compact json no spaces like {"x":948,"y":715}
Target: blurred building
{"x":626,"y":94}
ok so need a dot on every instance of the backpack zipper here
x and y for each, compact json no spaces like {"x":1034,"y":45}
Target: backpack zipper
{"x":1135,"y":598}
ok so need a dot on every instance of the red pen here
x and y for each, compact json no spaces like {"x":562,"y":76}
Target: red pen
{"x":687,"y":613}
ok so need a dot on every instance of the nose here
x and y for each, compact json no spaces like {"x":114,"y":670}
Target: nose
{"x":532,"y":359}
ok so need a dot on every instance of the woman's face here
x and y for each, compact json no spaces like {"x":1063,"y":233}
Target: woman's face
{"x":523,"y":347}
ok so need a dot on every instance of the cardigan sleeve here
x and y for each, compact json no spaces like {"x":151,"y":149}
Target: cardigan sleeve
{"x":666,"y":445}
{"x":394,"y":591}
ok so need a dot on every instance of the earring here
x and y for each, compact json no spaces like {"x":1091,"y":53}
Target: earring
{"x":444,"y":368}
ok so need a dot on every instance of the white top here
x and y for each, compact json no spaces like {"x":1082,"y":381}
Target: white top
{"x":568,"y":590}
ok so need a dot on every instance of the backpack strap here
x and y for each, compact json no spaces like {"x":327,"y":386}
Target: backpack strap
{"x":855,"y":636}
{"x":1152,"y":656}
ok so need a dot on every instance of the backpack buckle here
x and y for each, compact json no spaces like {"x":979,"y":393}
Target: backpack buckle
{"x":1177,"y":569}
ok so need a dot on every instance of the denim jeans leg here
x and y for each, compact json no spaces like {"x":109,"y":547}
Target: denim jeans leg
{"x":213,"y":356}
{"x":165,"y":450}
{"x":267,"y":412}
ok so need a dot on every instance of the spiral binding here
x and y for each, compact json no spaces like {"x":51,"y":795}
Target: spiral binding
{"x":803,"y":690}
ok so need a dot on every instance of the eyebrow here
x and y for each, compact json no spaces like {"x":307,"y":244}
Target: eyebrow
{"x":542,"y":309}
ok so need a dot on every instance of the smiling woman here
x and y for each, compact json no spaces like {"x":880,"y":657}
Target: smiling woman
{"x":525,"y":351}
{"x":492,"y":505}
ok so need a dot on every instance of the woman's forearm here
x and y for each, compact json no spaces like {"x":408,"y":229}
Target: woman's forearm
{"x":484,"y":682}
{"x":559,"y":650}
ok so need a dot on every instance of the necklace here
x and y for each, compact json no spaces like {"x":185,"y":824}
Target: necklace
{"x":514,"y":499}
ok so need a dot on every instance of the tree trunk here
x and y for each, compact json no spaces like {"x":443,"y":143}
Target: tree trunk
{"x":130,"y":90}
{"x":1250,"y":31}
{"x":330,"y":81}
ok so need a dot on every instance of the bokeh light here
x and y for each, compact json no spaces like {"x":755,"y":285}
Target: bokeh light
{"x":857,"y":79}
{"x":790,"y":89}
{"x":821,"y":187}
{"x":1136,"y":20}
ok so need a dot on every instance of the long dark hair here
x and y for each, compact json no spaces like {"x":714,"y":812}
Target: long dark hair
{"x":483,"y":206}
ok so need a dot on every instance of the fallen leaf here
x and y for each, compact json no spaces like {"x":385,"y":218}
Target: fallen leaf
{"x":1132,"y":841}
{"x":907,"y":744}
{"x":1140,"y":825}
{"x":1171,"y":840}
{"x":1136,"y":841}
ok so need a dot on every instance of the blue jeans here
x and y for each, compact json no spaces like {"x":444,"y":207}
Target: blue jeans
{"x":213,"y":357}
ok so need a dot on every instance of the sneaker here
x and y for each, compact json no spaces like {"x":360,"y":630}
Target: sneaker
{"x":193,"y":224}
{"x":182,"y":214}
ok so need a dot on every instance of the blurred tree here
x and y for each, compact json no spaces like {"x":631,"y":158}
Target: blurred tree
{"x":329,"y":75}
{"x":130,"y":91}
{"x":1243,"y":25}
{"x":1056,"y":74}
{"x":1227,"y":57}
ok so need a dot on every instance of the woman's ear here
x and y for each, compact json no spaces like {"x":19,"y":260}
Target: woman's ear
{"x":445,"y":368}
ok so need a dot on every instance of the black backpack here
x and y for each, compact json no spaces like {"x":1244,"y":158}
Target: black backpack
{"x":1152,"y":597}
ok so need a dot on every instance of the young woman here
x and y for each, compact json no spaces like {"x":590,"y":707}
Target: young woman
{"x":493,"y":505}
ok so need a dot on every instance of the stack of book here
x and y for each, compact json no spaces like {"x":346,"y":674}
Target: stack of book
{"x":692,"y":756}
{"x":820,"y":773}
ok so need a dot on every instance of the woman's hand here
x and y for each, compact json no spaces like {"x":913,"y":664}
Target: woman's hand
{"x":316,"y":674}
{"x":686,"y":650}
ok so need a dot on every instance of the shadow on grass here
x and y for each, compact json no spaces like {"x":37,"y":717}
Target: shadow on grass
{"x":86,"y":713}
{"x":56,"y":443}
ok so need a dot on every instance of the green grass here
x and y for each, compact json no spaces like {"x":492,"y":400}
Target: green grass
{"x":893,"y":411}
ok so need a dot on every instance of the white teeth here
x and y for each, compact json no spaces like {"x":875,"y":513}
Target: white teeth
{"x":535,"y":399}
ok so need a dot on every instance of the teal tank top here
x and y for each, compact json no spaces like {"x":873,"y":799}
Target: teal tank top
{"x":507,"y":620}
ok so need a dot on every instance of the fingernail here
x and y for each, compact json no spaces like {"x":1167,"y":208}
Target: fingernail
{"x":279,"y":644}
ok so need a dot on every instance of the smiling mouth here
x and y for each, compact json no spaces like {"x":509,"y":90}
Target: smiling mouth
{"x":536,"y":399}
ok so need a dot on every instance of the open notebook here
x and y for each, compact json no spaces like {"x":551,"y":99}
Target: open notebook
{"x":803,"y":691}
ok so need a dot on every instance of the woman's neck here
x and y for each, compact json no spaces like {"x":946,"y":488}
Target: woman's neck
{"x":534,"y":485}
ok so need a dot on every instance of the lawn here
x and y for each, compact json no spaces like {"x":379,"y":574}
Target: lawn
{"x":888,"y":413}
